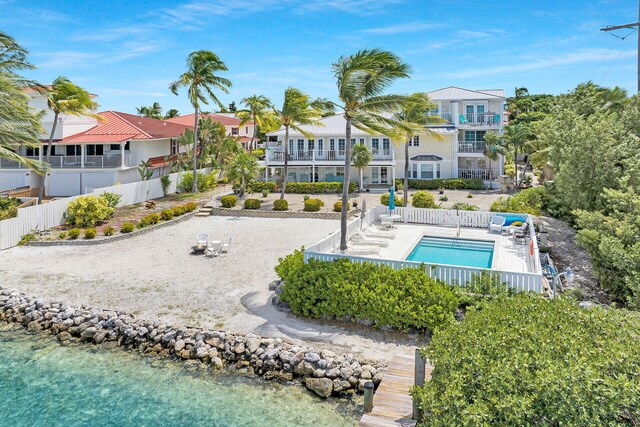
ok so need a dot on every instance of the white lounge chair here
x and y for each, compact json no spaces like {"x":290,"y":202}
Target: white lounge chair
{"x":496,"y":224}
{"x":203,"y":239}
{"x":226,"y":246}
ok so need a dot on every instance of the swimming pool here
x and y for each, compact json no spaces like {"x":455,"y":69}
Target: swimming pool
{"x":441,"y":250}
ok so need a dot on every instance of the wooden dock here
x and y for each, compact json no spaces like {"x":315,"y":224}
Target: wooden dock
{"x":392,"y":404}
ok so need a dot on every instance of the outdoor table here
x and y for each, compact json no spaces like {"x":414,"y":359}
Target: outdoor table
{"x":387,"y":219}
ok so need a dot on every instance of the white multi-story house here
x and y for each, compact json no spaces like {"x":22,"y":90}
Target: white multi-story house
{"x":452,"y":149}
{"x":231,"y":124}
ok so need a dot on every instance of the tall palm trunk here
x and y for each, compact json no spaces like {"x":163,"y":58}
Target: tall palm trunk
{"x":405,"y":184}
{"x":253,"y":136}
{"x":515,"y":164}
{"x":44,"y":175}
{"x":490,"y":174}
{"x":361,"y":179}
{"x":286,"y":162}
{"x":345,"y":186}
{"x":194,"y":187}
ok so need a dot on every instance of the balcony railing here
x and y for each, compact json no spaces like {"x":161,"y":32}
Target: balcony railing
{"x":277,"y":156}
{"x":75,"y":162}
{"x":447,"y":117}
{"x":471,"y":146}
{"x":486,"y":174}
{"x":480,"y":119}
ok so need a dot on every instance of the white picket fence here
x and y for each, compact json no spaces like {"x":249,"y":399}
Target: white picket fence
{"x":450,"y":274}
{"x":48,"y":215}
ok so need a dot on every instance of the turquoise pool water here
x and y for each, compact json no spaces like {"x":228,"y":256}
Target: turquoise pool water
{"x":438,"y":250}
{"x":45,"y":384}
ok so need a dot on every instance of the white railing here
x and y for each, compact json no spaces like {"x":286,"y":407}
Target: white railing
{"x":48,"y":215}
{"x":276,"y":155}
{"x":75,"y":162}
{"x":486,"y":174}
{"x":471,"y":146}
{"x":447,"y":117}
{"x":449,"y":274}
{"x":480,"y":119}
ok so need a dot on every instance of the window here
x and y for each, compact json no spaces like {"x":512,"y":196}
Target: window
{"x":353,"y":142}
{"x":311,"y":144}
{"x":320,"y":145}
{"x":301,"y":145}
{"x":234,"y":131}
{"x":375,"y":145}
{"x":332,"y":144}
{"x":415,"y":142}
{"x":114,"y":147}
{"x":290,"y":145}
{"x":174,"y":146}
{"x":362,"y":141}
{"x":341,"y":145}
{"x":385,"y":145}
{"x":426,"y":171}
{"x":474,"y":135}
{"x":246,"y":130}
{"x":72,"y":150}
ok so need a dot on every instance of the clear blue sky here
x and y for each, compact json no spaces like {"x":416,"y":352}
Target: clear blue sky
{"x":128,"y":52}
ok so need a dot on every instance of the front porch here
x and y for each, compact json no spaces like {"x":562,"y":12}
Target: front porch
{"x":373,"y":175}
{"x":84,"y":156}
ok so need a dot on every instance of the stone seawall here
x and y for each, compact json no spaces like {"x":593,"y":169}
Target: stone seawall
{"x":322,"y":371}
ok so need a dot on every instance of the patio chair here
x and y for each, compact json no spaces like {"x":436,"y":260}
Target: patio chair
{"x":225,"y":247}
{"x":213,"y":249}
{"x":520,"y":233}
{"x":463,"y":120}
{"x":202,"y":239}
{"x":496,"y":224}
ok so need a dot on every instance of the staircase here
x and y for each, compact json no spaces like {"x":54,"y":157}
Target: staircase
{"x":205,"y":210}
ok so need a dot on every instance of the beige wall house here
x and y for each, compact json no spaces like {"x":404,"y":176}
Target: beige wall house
{"x":231,"y":124}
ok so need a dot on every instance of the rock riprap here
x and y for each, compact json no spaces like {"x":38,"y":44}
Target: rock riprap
{"x":322,"y":371}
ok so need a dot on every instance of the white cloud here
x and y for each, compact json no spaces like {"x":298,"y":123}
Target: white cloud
{"x":410,"y":27}
{"x":585,"y":55}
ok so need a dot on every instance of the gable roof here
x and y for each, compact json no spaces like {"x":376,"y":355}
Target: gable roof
{"x":188,"y":119}
{"x":120,"y":127}
{"x":458,"y":93}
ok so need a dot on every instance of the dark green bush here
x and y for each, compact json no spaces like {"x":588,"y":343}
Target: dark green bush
{"x":337,"y":207}
{"x":404,"y":299}
{"x":74,"y":233}
{"x":90,"y":233}
{"x":259,"y":186}
{"x":252,"y":203}
{"x":127,"y":227}
{"x":62,"y":235}
{"x":528,"y":361}
{"x":229,"y":201}
{"x":205,"y":182}
{"x":528,"y":201}
{"x":148,"y":220}
{"x":445,"y":183}
{"x":167,"y":214}
{"x":108,"y":231}
{"x":384,"y":199}
{"x":280,"y":205}
{"x":462,"y":206}
{"x":112,"y":198}
{"x":423,"y":199}
{"x":312,"y":205}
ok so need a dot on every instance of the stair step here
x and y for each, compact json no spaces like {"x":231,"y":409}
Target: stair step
{"x":202,"y":214}
{"x":209,"y":206}
{"x":206,"y":209}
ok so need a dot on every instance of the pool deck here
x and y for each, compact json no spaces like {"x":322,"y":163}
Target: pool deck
{"x":507,"y":254}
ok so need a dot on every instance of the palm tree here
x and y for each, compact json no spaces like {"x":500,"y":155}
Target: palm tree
{"x":259,"y":110}
{"x":171,"y":114}
{"x":362,"y":78}
{"x":243,"y":168}
{"x":415,"y":119}
{"x":200,"y":79}
{"x":19,"y":126}
{"x":296,"y":111}
{"x":493,"y":148}
{"x":153,"y":112}
{"x":516,"y":136}
{"x":361,"y":157}
{"x":64,"y":97}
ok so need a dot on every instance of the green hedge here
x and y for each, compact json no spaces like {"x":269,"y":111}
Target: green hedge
{"x":337,"y":207}
{"x":529,"y":361}
{"x":529,"y":201}
{"x":404,"y":299}
{"x":280,"y":205}
{"x":301,"y":187}
{"x":446,"y":183}
{"x":397,"y":200}
{"x":312,"y":205}
{"x":423,"y":199}
{"x":229,"y":201}
{"x":252,"y":203}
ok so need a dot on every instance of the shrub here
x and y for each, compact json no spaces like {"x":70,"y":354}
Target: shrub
{"x":469,"y":196}
{"x":443,"y":198}
{"x":62,"y":235}
{"x":305,"y":197}
{"x":312,"y":205}
{"x":148,"y":220}
{"x":423,"y":199}
{"x":127,"y":227}
{"x":444,"y":184}
{"x":112,"y":198}
{"x":165,"y":180}
{"x":74,"y":233}
{"x":510,"y":170}
{"x":366,"y":292}
{"x":528,"y":201}
{"x":108,"y":231}
{"x":265,"y":193}
{"x":252,"y":203}
{"x":337,"y":207}
{"x":259,"y":186}
{"x":8,"y":207}
{"x":563,"y":365}
{"x":87,"y":211}
{"x":205,"y":182}
{"x":26,"y":239}
{"x":355,"y":203}
{"x":90,"y":233}
{"x":280,"y":205}
{"x":384,"y":199}
{"x":462,"y":206}
{"x":166,"y":214}
{"x":318,"y":187}
{"x":189,"y":207}
{"x":229,"y":201}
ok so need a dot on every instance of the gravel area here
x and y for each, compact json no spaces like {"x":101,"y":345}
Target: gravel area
{"x":155,"y":276}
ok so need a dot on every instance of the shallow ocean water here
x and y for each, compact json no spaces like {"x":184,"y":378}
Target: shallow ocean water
{"x":43,"y":383}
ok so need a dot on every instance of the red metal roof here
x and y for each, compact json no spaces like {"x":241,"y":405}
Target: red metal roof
{"x":120,"y":127}
{"x":188,"y":119}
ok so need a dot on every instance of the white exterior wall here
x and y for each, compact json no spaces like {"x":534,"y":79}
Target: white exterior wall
{"x":142,"y":150}
{"x":64,"y":183}
{"x":15,"y":179}
{"x":67,"y":125}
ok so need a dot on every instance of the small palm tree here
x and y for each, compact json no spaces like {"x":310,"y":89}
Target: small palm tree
{"x":493,"y":148}
{"x":414,"y":119}
{"x":259,"y":110}
{"x":297,"y":110}
{"x":153,"y":112}
{"x":64,"y":97}
{"x":171,"y":114}
{"x":243,"y":168}
{"x":362,"y":79}
{"x":361,"y":157}
{"x":516,"y":137}
{"x":200,"y":79}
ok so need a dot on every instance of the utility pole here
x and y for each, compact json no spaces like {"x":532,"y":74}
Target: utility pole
{"x":631,"y":25}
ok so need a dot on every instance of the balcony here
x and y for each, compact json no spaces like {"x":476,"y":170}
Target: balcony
{"x":471,"y":146}
{"x":446,"y":117}
{"x":274,"y":155}
{"x":75,"y":162}
{"x":485,"y":174}
{"x":480,"y":119}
